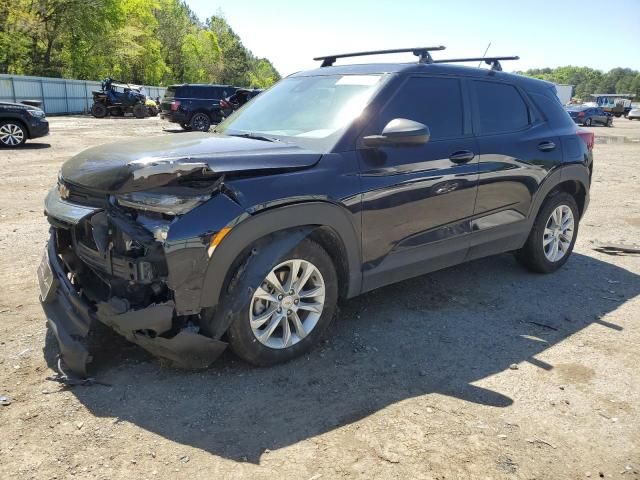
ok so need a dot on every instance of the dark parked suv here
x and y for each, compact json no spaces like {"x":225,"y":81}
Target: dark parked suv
{"x":194,"y":106}
{"x":19,"y":122}
{"x":333,"y":182}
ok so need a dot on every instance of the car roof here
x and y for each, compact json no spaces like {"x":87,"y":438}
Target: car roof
{"x":12,"y":104}
{"x":430,"y":68}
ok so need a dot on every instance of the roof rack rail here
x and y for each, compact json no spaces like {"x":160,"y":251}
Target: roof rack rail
{"x":421,"y":52}
{"x":493,"y":61}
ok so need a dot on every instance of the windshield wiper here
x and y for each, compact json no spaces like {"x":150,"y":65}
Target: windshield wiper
{"x":254,"y":136}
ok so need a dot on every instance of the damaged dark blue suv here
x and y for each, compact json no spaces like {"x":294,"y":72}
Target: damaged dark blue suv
{"x":333,"y":182}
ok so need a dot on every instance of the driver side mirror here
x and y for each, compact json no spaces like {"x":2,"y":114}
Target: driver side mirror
{"x":400,"y":132}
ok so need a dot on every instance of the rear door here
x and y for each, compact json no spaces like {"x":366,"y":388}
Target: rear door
{"x":517,"y":151}
{"x":417,"y":201}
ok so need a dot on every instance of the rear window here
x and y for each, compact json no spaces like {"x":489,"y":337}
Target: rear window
{"x":500,"y":108}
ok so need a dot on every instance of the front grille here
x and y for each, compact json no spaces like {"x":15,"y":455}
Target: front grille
{"x":133,"y":269}
{"x":84,"y":196}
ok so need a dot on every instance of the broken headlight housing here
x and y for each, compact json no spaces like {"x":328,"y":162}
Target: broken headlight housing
{"x":161,"y":202}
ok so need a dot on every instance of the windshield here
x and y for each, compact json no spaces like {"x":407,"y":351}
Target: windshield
{"x":312,"y":112}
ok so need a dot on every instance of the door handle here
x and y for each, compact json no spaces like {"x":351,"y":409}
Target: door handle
{"x":546,"y":146}
{"x":462,"y":156}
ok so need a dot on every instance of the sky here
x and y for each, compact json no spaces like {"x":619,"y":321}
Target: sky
{"x":543,"y":33}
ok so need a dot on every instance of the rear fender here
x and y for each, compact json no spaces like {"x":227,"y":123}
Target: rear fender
{"x":572,"y":172}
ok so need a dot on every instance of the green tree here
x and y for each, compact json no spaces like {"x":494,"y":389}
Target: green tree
{"x":136,"y":41}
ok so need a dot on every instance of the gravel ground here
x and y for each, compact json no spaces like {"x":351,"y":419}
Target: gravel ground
{"x":478,"y":371}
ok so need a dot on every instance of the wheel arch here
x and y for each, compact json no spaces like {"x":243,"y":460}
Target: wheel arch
{"x":574,"y":179}
{"x":326,"y":223}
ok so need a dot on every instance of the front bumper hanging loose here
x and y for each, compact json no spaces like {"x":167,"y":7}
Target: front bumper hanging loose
{"x":72,"y":317}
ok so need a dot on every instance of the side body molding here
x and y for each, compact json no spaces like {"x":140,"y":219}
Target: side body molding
{"x":270,"y":221}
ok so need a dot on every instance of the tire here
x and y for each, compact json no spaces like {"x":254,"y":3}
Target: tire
{"x":99,"y":110}
{"x":186,"y":126}
{"x":534,"y":255}
{"x":139,"y":110}
{"x":12,"y":134}
{"x":609,"y":122}
{"x":273,"y":349}
{"x":200,"y":122}
{"x":587,"y":122}
{"x":152,"y":111}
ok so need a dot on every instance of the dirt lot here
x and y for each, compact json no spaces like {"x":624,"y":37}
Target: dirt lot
{"x":479,"y":371}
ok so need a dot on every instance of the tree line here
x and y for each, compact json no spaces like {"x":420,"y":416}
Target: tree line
{"x":588,"y":80}
{"x":152,"y":42}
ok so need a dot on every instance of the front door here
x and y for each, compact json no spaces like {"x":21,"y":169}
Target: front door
{"x":417,"y":201}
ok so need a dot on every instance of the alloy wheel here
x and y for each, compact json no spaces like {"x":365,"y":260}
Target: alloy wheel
{"x":558,"y":233}
{"x":11,"y":134}
{"x":288,"y":304}
{"x":200,"y":122}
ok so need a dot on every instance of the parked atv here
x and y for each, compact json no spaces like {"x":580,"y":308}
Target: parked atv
{"x":117,"y":99}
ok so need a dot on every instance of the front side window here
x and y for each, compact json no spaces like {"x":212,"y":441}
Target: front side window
{"x":434,"y":102}
{"x":312,"y":112}
{"x":500,"y":108}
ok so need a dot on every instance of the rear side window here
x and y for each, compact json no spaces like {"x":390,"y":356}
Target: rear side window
{"x":183,"y":92}
{"x":435,"y":102}
{"x":500,"y":108}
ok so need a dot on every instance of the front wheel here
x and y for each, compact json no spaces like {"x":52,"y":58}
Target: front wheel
{"x":552,"y":236}
{"x":587,"y":122}
{"x":12,"y":134}
{"x":289,"y":310}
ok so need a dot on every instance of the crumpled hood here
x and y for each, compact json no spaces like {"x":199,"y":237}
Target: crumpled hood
{"x":147,"y":162}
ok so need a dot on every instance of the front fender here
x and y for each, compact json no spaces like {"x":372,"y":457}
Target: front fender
{"x":257,"y":226}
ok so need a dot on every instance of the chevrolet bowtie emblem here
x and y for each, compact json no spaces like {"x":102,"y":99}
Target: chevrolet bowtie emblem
{"x":63,"y":190}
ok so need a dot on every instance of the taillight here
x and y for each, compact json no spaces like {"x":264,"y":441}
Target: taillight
{"x":581,"y":114}
{"x":588,"y":137}
{"x":175,"y":105}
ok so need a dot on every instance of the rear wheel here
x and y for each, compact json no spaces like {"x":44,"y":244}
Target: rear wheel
{"x":289,"y":310}
{"x":553,"y":235}
{"x":12,"y":134}
{"x":587,"y":122}
{"x":99,"y":110}
{"x":139,"y":110}
{"x":609,"y":122}
{"x":201,"y":122}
